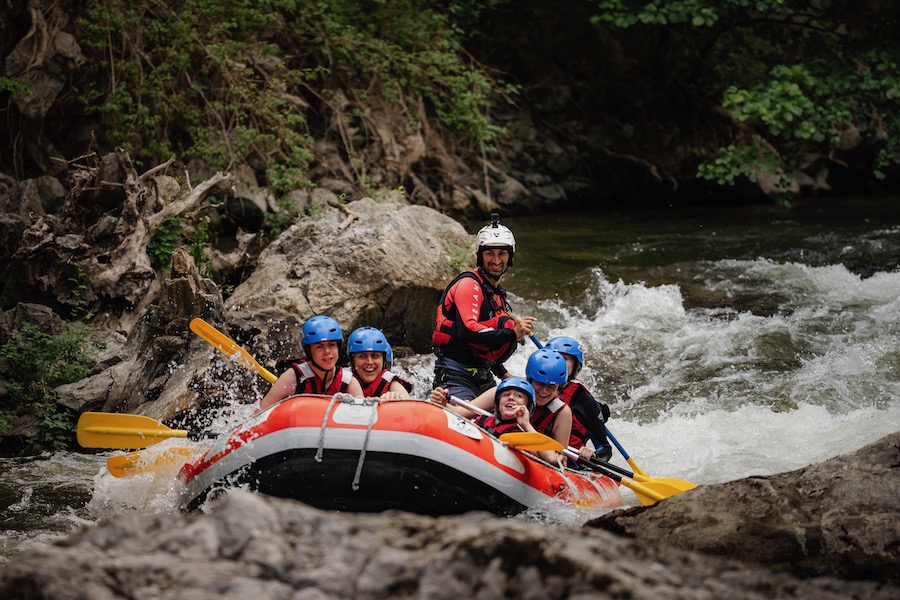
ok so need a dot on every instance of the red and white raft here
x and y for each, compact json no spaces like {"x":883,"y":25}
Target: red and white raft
{"x":354,"y":454}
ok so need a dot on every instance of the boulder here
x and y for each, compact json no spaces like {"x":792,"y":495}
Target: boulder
{"x":380,"y":263}
{"x":838,"y":517}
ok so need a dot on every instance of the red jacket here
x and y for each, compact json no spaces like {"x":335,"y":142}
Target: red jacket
{"x":472,"y":325}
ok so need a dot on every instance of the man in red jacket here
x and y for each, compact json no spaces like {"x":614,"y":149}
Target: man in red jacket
{"x":473,"y":331}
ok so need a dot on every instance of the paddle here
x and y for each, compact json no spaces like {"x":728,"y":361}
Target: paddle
{"x":114,"y":430}
{"x":135,"y":463}
{"x":647,"y":493}
{"x":523,"y":440}
{"x":627,"y":458}
{"x":676,"y":484}
{"x":530,"y":440}
{"x":230,"y":348}
{"x":118,"y":430}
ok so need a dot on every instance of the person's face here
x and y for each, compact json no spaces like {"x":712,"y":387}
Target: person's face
{"x":495,"y":261}
{"x":511,"y":401}
{"x":571,"y":363}
{"x":544,"y":392}
{"x":325,"y":354}
{"x":368,"y":365}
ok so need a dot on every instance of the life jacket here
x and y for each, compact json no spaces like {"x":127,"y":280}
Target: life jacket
{"x":580,"y":434}
{"x":493,"y":307}
{"x":497,"y":427}
{"x":381,"y":384}
{"x":544,"y":416}
{"x":309,"y":383}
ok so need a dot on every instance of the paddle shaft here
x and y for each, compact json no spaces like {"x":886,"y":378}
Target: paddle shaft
{"x":470,"y":406}
{"x":230,"y":348}
{"x":646,"y":495}
{"x":603,"y":463}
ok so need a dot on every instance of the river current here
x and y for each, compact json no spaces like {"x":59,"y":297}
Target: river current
{"x":747,"y":341}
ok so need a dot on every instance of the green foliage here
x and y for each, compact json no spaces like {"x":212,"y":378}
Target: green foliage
{"x":461,"y":257}
{"x":165,"y":240}
{"x":8,"y":85}
{"x":32,"y":364}
{"x":745,"y":159}
{"x":813,"y":107}
{"x":198,"y":237}
{"x":799,"y":79}
{"x":197,"y":78}
{"x":697,"y":13}
{"x":278,"y":222}
{"x":77,"y":300}
{"x":233,"y":82}
{"x":174,"y":233}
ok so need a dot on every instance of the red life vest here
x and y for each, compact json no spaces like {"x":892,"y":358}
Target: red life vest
{"x":544,"y":416}
{"x":496,"y":427}
{"x":580,"y":434}
{"x":309,"y":383}
{"x":492,"y":314}
{"x":381,"y":384}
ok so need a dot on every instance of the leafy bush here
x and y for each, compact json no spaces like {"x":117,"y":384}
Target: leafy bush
{"x":174,"y":233}
{"x":235,"y":82}
{"x":799,"y":79}
{"x":164,"y":242}
{"x":32,"y":364}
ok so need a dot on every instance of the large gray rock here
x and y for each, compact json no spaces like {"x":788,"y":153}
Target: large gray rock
{"x":251,"y":546}
{"x":839,"y":517}
{"x":380,"y":263}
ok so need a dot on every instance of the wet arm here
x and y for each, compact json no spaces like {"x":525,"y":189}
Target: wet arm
{"x":284,"y":386}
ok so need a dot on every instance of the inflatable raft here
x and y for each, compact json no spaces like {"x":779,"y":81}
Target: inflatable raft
{"x":366,"y":455}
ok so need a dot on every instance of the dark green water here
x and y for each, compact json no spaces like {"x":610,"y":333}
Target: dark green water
{"x":556,"y":253}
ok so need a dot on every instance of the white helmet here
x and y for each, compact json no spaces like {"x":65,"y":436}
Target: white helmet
{"x":494,"y":235}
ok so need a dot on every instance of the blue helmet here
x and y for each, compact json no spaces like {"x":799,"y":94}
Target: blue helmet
{"x":321,"y":329}
{"x":547,"y":366}
{"x":516,"y":383}
{"x":567,"y":345}
{"x":370,"y":339}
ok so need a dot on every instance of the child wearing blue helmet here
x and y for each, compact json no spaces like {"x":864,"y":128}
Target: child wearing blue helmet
{"x":513,"y":402}
{"x":545,"y":373}
{"x":371,"y":358}
{"x":588,"y":415}
{"x":319,"y":373}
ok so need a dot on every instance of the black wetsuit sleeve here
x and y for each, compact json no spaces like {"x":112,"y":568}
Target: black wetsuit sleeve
{"x":590,"y":413}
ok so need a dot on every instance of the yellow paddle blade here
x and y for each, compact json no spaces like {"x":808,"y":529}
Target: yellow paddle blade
{"x":229,"y":348}
{"x":530,"y":440}
{"x":136,"y":463}
{"x":114,"y":430}
{"x":648,"y":493}
{"x":677,"y":484}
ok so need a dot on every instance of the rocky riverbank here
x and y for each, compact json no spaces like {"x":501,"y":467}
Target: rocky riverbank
{"x":827,"y":532}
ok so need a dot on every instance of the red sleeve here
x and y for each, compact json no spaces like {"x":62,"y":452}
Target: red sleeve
{"x":468,"y":298}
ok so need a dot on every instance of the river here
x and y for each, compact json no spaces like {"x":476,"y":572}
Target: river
{"x":728,"y":343}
